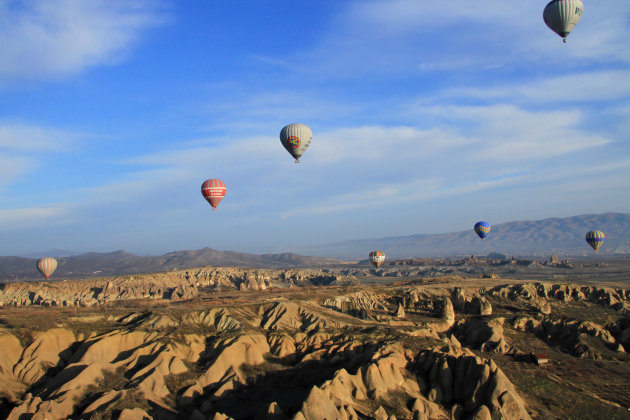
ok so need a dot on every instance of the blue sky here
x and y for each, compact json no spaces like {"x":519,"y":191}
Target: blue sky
{"x":426,"y":117}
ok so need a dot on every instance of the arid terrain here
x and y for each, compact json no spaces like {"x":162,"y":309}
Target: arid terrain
{"x":347,"y":343}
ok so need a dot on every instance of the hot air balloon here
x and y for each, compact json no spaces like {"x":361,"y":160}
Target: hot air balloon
{"x":482,"y":229}
{"x":595,"y":239}
{"x":47,"y":266}
{"x":296,"y":139}
{"x":213,"y":190}
{"x":377,"y":258}
{"x":561,"y":16}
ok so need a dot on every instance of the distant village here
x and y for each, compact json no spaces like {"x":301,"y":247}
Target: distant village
{"x":493,"y":260}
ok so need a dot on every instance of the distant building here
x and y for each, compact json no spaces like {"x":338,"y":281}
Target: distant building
{"x":541,"y":358}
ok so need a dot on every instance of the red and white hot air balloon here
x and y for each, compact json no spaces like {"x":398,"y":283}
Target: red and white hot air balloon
{"x":213,"y":190}
{"x":47,"y":266}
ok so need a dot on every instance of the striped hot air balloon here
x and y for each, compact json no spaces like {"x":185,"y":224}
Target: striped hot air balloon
{"x":296,"y":138}
{"x":482,"y":229}
{"x":561,"y":16}
{"x":377,"y":258}
{"x":213,"y":190}
{"x":595,"y":239}
{"x":47,"y":266}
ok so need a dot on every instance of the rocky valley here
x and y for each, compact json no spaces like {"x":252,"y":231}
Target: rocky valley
{"x":218,"y":343}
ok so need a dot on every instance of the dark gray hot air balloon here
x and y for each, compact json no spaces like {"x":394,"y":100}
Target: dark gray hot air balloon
{"x":562,"y":15}
{"x":296,"y":138}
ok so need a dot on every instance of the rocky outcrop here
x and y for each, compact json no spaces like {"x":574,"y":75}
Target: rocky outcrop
{"x":463,"y":381}
{"x":290,"y":316}
{"x":581,"y":338}
{"x":49,"y":349}
{"x":346,"y":394}
{"x":538,"y":294}
{"x":483,"y":334}
{"x":225,"y":359}
{"x":471,"y":382}
{"x":171,"y":286}
{"x":145,"y":358}
{"x":219,"y":318}
{"x":272,"y":412}
{"x":10,"y":354}
{"x":353,"y":303}
{"x":470,"y":303}
{"x":621,"y":332}
{"x":400,"y":312}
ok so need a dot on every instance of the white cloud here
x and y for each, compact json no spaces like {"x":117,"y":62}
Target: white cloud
{"x":24,"y":148}
{"x":587,"y":86}
{"x":508,"y":133}
{"x":29,"y":138}
{"x":43,"y":39}
{"x":32,"y":217}
{"x":373,"y":144}
{"x":413,"y":37}
{"x":405,"y":192}
{"x":13,"y":167}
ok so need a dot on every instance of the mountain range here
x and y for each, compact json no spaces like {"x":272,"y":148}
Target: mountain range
{"x":96,"y":264}
{"x":561,"y":236}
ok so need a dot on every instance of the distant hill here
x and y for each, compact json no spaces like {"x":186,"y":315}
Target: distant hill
{"x":562,"y":236}
{"x":95,"y":264}
{"x":55,"y":251}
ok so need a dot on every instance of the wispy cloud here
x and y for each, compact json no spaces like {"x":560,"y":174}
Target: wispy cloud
{"x":13,"y":167}
{"x":32,"y":217}
{"x":30,"y":138}
{"x":410,"y":37}
{"x":415,"y":191}
{"x":42,"y":39}
{"x":24,"y":148}
{"x":591,"y":86}
{"x":509,"y":133}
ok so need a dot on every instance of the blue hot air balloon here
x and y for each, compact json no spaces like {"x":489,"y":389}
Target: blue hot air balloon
{"x":595,"y":239}
{"x":482,"y":229}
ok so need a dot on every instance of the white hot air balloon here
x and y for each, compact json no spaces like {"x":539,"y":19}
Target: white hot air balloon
{"x":562,"y":15}
{"x":296,"y":139}
{"x":47,"y":266}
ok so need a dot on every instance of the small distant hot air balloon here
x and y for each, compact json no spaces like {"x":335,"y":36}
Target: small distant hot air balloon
{"x":561,"y":16}
{"x":213,"y":190}
{"x":296,"y":139}
{"x":595,"y":239}
{"x":47,"y":266}
{"x":377,"y":258}
{"x":482,"y":229}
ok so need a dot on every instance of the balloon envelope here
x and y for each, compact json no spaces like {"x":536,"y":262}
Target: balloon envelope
{"x":482,"y":229}
{"x":213,"y":190}
{"x":296,"y":138}
{"x":595,"y":239}
{"x":47,"y":266}
{"x":561,"y":16}
{"x":377,"y":258}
